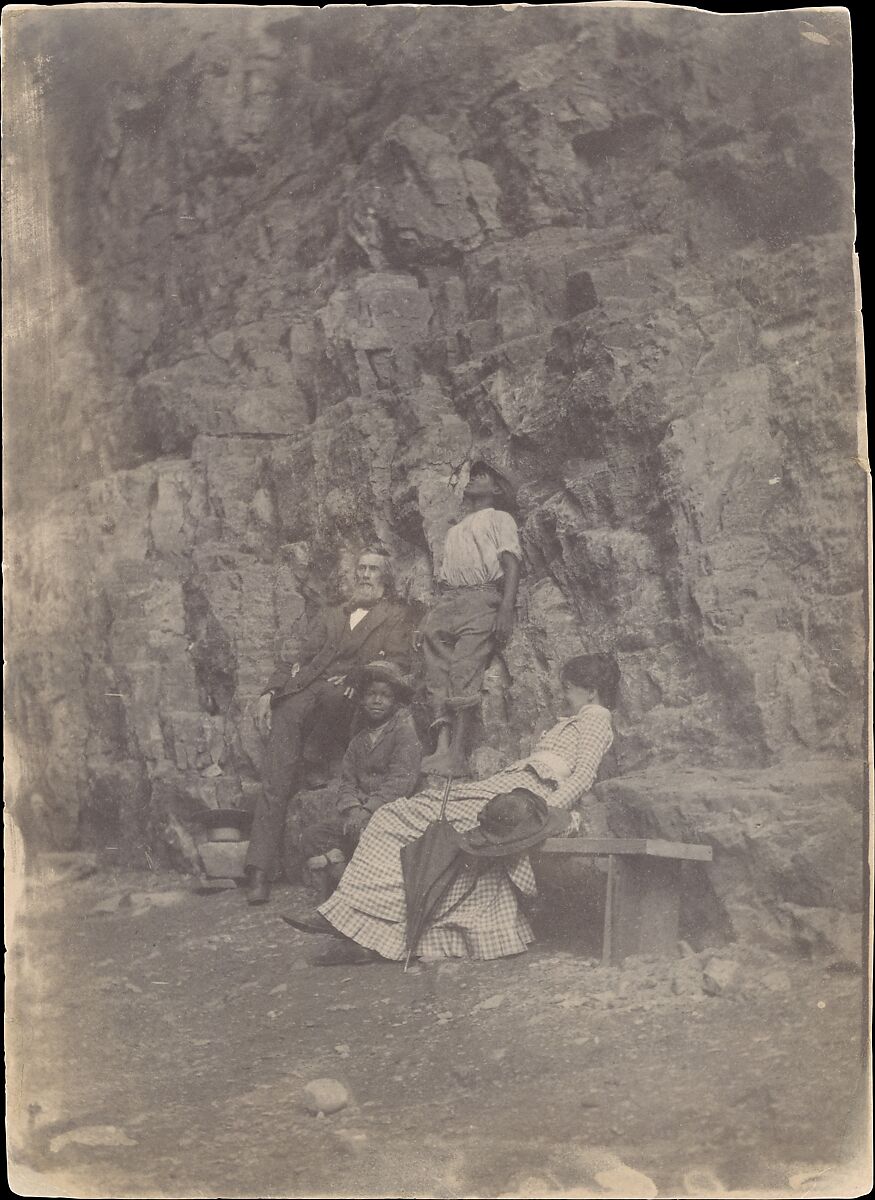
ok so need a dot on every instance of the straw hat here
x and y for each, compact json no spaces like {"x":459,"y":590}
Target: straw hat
{"x":384,"y":671}
{"x":510,"y":823}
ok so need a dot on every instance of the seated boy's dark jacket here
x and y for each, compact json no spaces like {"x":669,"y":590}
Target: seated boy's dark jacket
{"x":332,"y":648}
{"x":372,"y":775}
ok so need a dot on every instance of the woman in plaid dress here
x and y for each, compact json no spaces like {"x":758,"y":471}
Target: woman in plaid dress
{"x":368,"y":907}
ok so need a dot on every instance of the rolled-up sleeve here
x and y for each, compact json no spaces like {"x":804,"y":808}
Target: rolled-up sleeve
{"x":506,"y":534}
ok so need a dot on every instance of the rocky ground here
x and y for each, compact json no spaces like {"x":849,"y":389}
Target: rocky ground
{"x":162,"y":1040}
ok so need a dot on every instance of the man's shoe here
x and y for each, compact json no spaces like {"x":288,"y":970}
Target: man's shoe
{"x":259,"y":888}
{"x":345,"y":954}
{"x":311,"y":922}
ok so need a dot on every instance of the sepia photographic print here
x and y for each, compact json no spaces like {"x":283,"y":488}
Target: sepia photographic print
{"x":436,"y":521}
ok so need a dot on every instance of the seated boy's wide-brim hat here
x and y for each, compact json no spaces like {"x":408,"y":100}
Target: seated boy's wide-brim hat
{"x":509,"y":824}
{"x":384,"y":671}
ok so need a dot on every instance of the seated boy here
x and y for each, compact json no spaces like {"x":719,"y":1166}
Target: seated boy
{"x":381,"y":764}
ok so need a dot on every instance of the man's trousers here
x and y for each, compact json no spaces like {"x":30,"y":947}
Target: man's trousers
{"x":291,"y":719}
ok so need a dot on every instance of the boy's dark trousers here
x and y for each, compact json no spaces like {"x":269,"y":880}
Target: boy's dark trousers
{"x":291,"y":719}
{"x":458,"y":643}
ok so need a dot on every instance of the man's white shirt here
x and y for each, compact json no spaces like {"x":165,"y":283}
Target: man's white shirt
{"x":358,"y":614}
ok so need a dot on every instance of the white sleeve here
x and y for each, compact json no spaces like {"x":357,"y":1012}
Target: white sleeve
{"x":505,"y":534}
{"x":592,"y":737}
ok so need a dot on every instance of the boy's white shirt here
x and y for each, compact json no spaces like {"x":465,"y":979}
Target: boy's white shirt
{"x":473,"y":547}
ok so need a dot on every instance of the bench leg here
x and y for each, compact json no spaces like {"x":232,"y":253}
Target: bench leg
{"x":608,"y":935}
{"x":641,"y":907}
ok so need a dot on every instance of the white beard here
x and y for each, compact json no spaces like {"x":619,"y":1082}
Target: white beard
{"x":365,"y":595}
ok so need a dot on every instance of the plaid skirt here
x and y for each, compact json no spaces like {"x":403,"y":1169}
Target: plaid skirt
{"x":369,"y":905}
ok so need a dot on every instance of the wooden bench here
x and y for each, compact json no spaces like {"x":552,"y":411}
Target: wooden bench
{"x":642,"y":901}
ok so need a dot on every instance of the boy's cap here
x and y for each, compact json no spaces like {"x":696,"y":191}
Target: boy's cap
{"x":384,"y":671}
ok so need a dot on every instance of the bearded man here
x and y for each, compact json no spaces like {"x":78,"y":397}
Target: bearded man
{"x":319,"y":688}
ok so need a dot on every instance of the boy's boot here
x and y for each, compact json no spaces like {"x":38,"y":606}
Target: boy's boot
{"x":325,"y":871}
{"x":336,"y":867}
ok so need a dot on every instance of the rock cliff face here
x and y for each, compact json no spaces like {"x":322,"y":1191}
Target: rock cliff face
{"x":302,"y":270}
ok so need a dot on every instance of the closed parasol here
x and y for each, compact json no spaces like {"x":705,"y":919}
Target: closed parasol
{"x":430,"y":866}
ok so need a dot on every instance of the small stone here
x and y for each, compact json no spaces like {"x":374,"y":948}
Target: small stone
{"x":325,"y":1096}
{"x":701,"y":1181}
{"x":777,"y":981}
{"x":342,"y":1049}
{"x":606,"y":998}
{"x":686,"y":978}
{"x":91,"y":1135}
{"x":719,"y":976}
{"x":222,"y":344}
{"x":492,"y":1002}
{"x":279,"y":989}
{"x":626,"y":1181}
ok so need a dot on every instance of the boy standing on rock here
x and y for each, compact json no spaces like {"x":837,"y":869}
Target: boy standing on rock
{"x":473,"y":617}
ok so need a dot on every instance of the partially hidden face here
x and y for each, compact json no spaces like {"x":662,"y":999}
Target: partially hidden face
{"x":481,"y":489}
{"x":378,"y":702}
{"x":576,"y":697}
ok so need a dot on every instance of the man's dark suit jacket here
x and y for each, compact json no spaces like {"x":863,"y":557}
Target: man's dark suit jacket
{"x":331,"y":648}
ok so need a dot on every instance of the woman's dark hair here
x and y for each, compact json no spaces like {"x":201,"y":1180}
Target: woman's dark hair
{"x":599,"y":671}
